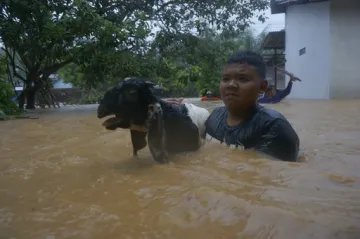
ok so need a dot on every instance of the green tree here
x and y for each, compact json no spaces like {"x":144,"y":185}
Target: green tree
{"x":7,"y":106}
{"x":101,"y":35}
{"x":45,"y":36}
{"x":190,"y":58}
{"x":216,"y":48}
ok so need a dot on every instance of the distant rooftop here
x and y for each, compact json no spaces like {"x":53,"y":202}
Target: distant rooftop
{"x":273,"y":48}
{"x":274,"y":41}
{"x":279,"y":6}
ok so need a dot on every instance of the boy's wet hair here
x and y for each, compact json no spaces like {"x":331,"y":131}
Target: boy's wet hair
{"x":251,"y":58}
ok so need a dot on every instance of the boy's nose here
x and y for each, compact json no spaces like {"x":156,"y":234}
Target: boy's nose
{"x":232,"y":83}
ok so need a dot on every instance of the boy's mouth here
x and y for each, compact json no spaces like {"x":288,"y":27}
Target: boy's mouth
{"x":231,"y":95}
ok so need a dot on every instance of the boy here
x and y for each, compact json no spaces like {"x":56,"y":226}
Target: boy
{"x":244,"y":123}
{"x":273,"y":96}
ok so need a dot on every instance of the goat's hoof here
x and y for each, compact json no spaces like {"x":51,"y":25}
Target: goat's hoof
{"x":135,"y":156}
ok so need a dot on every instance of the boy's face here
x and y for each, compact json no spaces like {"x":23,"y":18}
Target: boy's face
{"x":240,"y":86}
{"x":271,"y":92}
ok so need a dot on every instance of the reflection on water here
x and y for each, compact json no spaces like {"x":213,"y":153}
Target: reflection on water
{"x":64,"y":176}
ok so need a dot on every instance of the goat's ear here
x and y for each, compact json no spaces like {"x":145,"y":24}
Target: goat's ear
{"x":128,"y":78}
{"x":150,"y":84}
{"x":118,"y":87}
{"x":117,"y":92}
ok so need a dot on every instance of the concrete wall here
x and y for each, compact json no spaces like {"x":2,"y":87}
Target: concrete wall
{"x":308,"y":26}
{"x":345,"y":45}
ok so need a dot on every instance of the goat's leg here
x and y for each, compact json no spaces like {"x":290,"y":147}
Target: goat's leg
{"x":157,"y":134}
{"x":138,"y":140}
{"x":160,"y":156}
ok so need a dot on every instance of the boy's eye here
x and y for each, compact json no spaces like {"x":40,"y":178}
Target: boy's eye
{"x":243,"y":79}
{"x":236,"y":78}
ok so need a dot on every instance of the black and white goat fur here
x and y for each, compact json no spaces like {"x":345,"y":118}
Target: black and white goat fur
{"x":169,"y":128}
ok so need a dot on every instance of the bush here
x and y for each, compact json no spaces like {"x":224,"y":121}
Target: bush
{"x":7,"y":106}
{"x":92,"y":99}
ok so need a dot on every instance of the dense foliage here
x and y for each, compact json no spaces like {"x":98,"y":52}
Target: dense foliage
{"x":201,"y":60}
{"x":187,"y":67}
{"x":7,"y":106}
{"x":104,"y":41}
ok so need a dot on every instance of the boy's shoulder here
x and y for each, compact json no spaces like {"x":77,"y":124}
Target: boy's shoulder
{"x":267,"y":131}
{"x":261,"y":111}
{"x":263,"y":120}
{"x":217,"y":116}
{"x":219,"y":110}
{"x":269,"y":113}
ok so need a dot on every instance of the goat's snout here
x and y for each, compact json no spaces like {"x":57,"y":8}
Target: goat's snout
{"x":102,"y":111}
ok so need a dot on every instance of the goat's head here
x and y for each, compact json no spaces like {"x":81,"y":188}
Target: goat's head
{"x":133,"y":102}
{"x":128,"y":100}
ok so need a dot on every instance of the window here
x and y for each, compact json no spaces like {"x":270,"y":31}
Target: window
{"x":302,"y":51}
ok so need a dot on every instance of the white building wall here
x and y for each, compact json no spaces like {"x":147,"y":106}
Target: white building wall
{"x":345,"y":45}
{"x":308,"y":26}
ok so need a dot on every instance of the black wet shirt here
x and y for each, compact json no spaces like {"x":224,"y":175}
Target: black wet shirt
{"x":267,"y":131}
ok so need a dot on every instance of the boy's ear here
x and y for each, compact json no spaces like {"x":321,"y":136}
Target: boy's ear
{"x":263,"y":86}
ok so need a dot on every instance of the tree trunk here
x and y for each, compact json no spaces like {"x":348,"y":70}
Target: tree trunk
{"x":30,"y":98}
{"x":22,"y":100}
{"x":30,"y":93}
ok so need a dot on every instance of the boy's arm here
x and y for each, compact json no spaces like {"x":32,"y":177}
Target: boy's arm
{"x":264,"y":100}
{"x":280,"y":141}
{"x":286,"y":91}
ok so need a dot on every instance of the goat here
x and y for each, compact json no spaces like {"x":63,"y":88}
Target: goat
{"x":169,"y":128}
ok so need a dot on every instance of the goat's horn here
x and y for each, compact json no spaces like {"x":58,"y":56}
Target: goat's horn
{"x":149,"y":83}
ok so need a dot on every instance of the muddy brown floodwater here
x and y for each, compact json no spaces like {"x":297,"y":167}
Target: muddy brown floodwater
{"x":65,"y":176}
